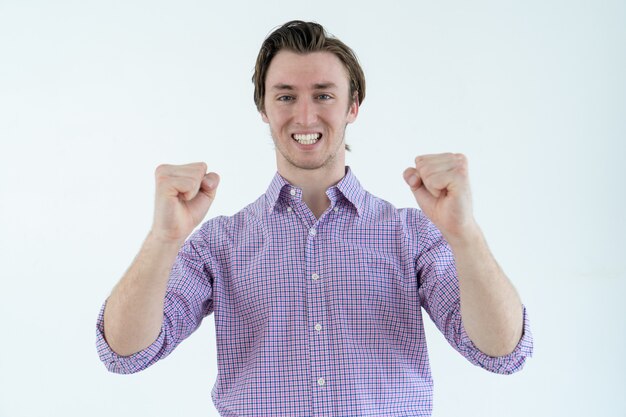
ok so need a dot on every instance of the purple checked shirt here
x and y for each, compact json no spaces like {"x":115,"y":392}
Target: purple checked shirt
{"x":317,"y":317}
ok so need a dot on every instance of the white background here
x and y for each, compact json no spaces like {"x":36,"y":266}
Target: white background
{"x":94,"y":95}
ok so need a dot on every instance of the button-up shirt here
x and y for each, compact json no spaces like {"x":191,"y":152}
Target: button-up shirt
{"x":317,"y":316}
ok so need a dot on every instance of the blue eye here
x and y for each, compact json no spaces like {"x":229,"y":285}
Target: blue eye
{"x":285,"y":98}
{"x":324,"y":97}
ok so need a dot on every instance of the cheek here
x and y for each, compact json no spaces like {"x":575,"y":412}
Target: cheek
{"x":276,"y":117}
{"x":338,"y":113}
{"x":335,"y":119}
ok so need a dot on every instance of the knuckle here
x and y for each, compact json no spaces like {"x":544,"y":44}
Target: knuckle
{"x":161,"y":172}
{"x":461,"y":161}
{"x":198,"y":169}
{"x":160,"y":169}
{"x":426,"y":171}
{"x":188,"y":184}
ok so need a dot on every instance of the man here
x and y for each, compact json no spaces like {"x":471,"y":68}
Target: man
{"x":317,"y":286}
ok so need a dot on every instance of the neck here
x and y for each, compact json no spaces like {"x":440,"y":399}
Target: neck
{"x":314,"y":183}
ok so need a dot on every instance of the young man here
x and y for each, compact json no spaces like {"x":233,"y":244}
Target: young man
{"x":317,"y":287}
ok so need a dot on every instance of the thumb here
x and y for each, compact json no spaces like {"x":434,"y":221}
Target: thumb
{"x":209,"y":184}
{"x":201,"y":203}
{"x":206,"y":194}
{"x":423,"y":198}
{"x":412,"y":178}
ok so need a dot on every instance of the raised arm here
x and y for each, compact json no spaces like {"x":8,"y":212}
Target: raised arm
{"x":491,"y":309}
{"x":134,"y":311}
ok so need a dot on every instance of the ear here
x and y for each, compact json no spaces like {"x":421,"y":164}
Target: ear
{"x":353,"y":110}
{"x":264,"y":116}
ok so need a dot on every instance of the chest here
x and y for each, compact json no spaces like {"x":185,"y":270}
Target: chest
{"x":291,"y":265}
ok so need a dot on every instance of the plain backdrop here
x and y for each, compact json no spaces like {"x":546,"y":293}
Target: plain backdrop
{"x":94,"y":95}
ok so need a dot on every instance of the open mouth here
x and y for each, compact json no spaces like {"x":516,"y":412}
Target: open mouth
{"x":306,"y":139}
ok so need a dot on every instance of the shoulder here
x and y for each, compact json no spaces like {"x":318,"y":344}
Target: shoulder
{"x":225,"y":230}
{"x":413,"y":222}
{"x":377,"y":209}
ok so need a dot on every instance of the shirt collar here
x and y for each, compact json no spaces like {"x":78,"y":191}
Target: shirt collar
{"x":273,"y":191}
{"x":348,"y":186}
{"x":352,"y":190}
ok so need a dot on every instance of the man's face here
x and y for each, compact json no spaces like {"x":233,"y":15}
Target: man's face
{"x":307,"y":105}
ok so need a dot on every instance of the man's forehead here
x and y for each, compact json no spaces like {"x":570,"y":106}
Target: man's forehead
{"x":315,"y":70}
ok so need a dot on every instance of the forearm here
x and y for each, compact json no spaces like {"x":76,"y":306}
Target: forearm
{"x":134,"y":311}
{"x":491,"y":309}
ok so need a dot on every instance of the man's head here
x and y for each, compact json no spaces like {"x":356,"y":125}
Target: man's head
{"x":305,"y":37}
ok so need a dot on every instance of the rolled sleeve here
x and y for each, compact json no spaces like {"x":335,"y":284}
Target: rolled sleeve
{"x":440,"y":297}
{"x":188,"y":300}
{"x":505,"y":365}
{"x":126,"y":364}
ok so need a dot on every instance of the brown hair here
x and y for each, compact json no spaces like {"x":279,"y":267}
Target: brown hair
{"x":304,"y":37}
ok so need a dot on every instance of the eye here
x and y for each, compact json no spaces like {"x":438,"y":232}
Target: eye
{"x":285,"y":98}
{"x":324,"y":97}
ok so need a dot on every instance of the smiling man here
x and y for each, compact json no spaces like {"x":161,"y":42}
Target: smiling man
{"x":308,"y":105}
{"x":317,"y":287}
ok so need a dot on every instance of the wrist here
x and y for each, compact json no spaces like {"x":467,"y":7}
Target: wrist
{"x":163,"y":240}
{"x":467,"y":236}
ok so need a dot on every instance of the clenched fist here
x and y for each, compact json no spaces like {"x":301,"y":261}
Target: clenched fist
{"x":184,"y":194}
{"x":440,"y":184}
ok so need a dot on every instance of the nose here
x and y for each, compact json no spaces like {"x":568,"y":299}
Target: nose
{"x":305,"y":113}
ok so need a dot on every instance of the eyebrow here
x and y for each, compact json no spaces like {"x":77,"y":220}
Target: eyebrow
{"x":316,"y":86}
{"x":324,"y":86}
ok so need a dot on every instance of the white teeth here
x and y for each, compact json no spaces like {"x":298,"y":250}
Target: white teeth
{"x":308,"y":139}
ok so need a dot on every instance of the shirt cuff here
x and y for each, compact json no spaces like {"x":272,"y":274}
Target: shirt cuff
{"x":505,"y":365}
{"x":125,"y":364}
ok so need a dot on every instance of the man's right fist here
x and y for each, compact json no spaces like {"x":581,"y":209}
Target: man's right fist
{"x":184,"y":194}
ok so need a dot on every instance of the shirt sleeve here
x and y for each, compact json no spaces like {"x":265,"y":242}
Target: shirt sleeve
{"x":187,"y":301}
{"x":440,"y":297}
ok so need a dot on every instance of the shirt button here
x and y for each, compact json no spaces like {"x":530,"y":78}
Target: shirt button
{"x":318,"y":327}
{"x":293,"y":191}
{"x":289,"y":209}
{"x":321,"y":382}
{"x":312,"y":231}
{"x":315,"y":277}
{"x":336,"y":209}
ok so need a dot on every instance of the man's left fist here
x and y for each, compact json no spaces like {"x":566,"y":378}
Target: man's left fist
{"x":440,"y":184}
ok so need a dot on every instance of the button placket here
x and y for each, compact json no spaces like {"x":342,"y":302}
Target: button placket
{"x":318,"y":343}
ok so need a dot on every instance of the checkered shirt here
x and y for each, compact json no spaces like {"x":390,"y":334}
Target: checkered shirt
{"x":317,"y":317}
